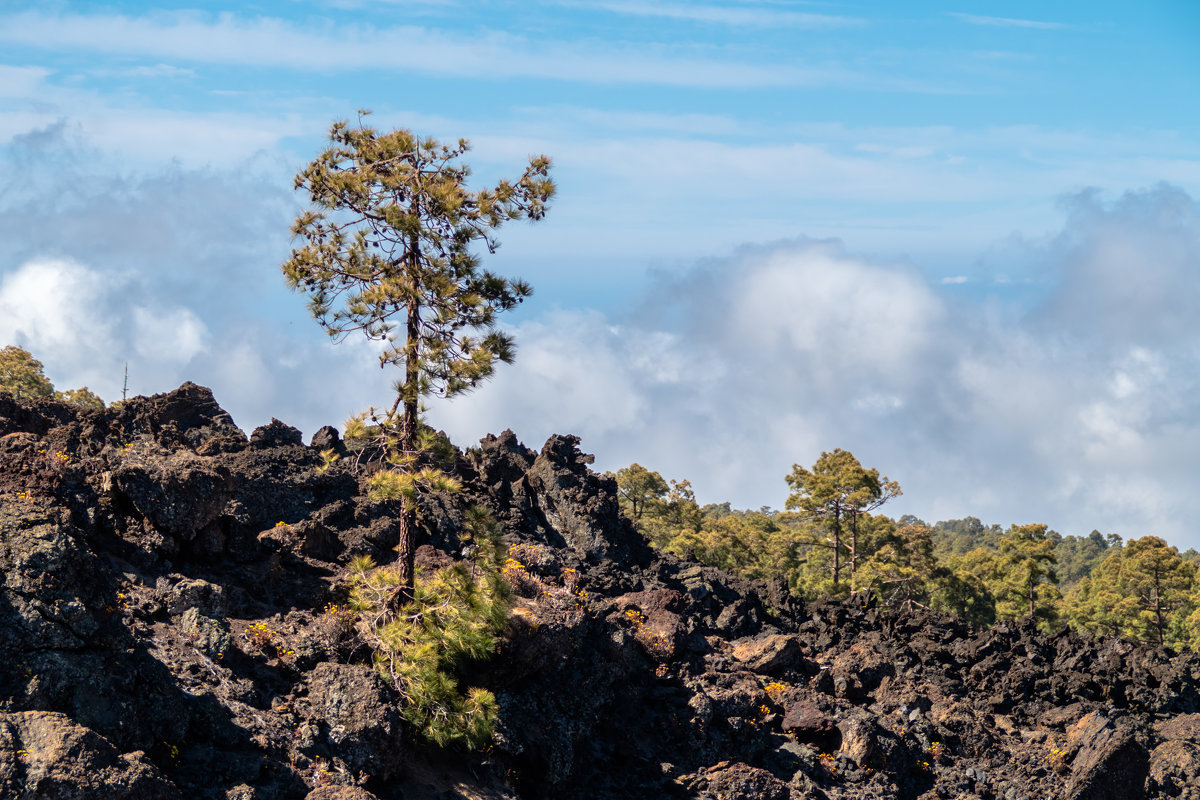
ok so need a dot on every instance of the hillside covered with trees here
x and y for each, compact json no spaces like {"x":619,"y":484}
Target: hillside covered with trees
{"x":831,"y":542}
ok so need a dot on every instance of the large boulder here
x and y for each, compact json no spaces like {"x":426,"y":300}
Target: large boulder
{"x":769,"y":654}
{"x":358,"y":717}
{"x":47,"y":756}
{"x":1175,"y":763}
{"x":180,"y":493}
{"x":1110,"y":763}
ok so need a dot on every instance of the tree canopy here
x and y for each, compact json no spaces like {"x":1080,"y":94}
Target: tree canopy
{"x":22,"y":374}
{"x":1026,"y":573}
{"x":1142,"y":591}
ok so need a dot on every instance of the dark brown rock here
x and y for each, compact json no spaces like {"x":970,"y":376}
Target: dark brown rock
{"x":180,"y":493}
{"x":204,"y":622}
{"x":1174,"y":766}
{"x":1109,"y":762}
{"x":339,"y":793}
{"x":275,"y":434}
{"x":358,"y":717}
{"x":581,"y":507}
{"x":807,"y":721}
{"x":47,"y":756}
{"x":328,"y":438}
{"x":741,"y":782}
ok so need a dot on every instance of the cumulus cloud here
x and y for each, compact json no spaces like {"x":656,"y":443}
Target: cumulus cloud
{"x":1078,"y":411}
{"x":173,"y":270}
{"x":205,"y":234}
{"x":83,"y":324}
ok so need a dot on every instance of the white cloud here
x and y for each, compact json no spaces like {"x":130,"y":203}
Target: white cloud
{"x":83,"y":324}
{"x":139,"y":135}
{"x":147,"y":71}
{"x":168,"y":334}
{"x":724,"y":15}
{"x":55,"y":307}
{"x":268,"y":42}
{"x":784,"y":351}
{"x":1008,"y":22}
{"x":21,"y":82}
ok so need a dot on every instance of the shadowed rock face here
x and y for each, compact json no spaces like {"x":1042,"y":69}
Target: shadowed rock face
{"x":164,"y":633}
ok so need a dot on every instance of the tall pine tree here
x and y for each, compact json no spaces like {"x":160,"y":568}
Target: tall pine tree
{"x":388,"y":250}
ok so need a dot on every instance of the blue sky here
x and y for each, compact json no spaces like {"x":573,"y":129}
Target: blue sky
{"x":959,"y":239}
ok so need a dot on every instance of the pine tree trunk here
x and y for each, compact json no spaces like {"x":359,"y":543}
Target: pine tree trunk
{"x":1158,"y":617}
{"x":837,"y":548}
{"x":853,"y":549}
{"x":406,"y":547}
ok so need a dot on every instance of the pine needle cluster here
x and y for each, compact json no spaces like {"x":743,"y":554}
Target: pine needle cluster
{"x":454,"y":617}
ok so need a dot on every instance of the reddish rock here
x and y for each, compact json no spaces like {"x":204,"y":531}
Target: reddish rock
{"x":807,"y":721}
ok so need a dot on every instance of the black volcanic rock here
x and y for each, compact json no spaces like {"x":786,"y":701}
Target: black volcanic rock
{"x":179,"y":493}
{"x":275,"y":434}
{"x":169,"y":627}
{"x":580,"y":507}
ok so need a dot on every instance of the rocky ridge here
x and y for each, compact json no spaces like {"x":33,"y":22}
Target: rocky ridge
{"x":170,"y":626}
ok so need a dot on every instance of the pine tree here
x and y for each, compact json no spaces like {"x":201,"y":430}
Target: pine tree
{"x":837,"y":493}
{"x":901,"y":567}
{"x":387,"y":251}
{"x":637,"y":489}
{"x":1142,"y":591}
{"x":1026,"y":575}
{"x":84,"y":398}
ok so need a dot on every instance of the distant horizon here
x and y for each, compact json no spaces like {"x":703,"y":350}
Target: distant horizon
{"x":961,"y":241}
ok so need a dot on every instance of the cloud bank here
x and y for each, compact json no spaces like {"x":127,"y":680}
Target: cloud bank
{"x":1072,"y":403}
{"x":1079,"y":410}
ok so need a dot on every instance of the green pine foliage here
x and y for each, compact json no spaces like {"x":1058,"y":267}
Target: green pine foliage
{"x":1025,"y":578}
{"x":84,"y":398}
{"x":455,"y":616}
{"x":22,"y":375}
{"x":1143,"y":591}
{"x":837,"y":496}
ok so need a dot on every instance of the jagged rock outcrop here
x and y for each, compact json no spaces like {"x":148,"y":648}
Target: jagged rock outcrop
{"x":172,"y":624}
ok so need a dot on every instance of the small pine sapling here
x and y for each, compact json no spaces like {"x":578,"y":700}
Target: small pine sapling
{"x":454,"y":617}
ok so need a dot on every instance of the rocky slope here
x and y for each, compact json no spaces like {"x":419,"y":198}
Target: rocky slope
{"x":170,"y":626}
